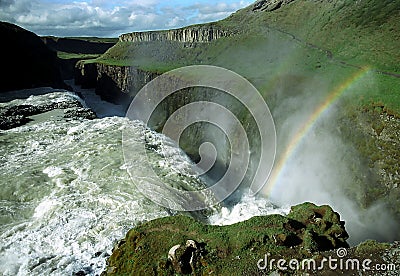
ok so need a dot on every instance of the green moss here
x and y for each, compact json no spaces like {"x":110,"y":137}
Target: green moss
{"x":371,"y":247}
{"x":223,"y":250}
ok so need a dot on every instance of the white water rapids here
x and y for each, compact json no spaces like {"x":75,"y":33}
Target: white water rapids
{"x":66,"y":197}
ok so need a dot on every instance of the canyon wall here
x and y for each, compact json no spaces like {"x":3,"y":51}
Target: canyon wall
{"x":117,"y":84}
{"x":192,"y":34}
{"x":28,"y":62}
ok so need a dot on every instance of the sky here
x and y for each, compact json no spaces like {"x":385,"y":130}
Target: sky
{"x":105,"y":18}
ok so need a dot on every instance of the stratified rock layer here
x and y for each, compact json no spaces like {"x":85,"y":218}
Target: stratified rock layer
{"x":192,"y":34}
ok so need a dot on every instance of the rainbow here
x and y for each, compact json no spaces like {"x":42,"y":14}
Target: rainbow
{"x":308,"y":125}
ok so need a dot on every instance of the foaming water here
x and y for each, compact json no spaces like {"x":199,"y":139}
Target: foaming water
{"x":248,"y":206}
{"x":94,"y":101}
{"x":66,"y":197}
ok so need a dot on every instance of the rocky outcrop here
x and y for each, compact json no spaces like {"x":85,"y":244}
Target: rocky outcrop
{"x":27,"y":62}
{"x":192,"y":34}
{"x":117,"y":84}
{"x":182,"y":245}
{"x":185,"y":258}
{"x":270,"y":5}
{"x":12,"y":116}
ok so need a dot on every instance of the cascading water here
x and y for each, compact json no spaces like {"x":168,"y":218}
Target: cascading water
{"x":66,"y":196}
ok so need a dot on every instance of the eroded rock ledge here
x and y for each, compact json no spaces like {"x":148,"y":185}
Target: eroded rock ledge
{"x":116,"y":84}
{"x":192,"y":34}
{"x":179,"y":244}
{"x":19,"y":112}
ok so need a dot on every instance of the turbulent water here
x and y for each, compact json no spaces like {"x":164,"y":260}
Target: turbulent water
{"x":66,"y":197}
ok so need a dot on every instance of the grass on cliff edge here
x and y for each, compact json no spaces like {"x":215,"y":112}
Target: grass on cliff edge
{"x":236,"y":249}
{"x":360,"y":33}
{"x":303,"y":52}
{"x":228,"y":250}
{"x":65,"y":55}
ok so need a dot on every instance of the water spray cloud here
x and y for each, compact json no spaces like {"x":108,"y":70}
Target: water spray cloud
{"x":305,"y":128}
{"x":155,"y":92}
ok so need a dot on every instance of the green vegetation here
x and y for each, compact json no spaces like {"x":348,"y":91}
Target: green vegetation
{"x":299,"y":38}
{"x":360,"y":32}
{"x":305,"y":51}
{"x":65,"y":55}
{"x":227,"y":250}
{"x":95,"y":39}
{"x":371,"y":246}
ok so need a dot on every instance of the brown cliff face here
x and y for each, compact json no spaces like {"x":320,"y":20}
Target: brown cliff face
{"x":27,"y":61}
{"x":117,"y":84}
{"x":192,"y":34}
{"x":113,"y":83}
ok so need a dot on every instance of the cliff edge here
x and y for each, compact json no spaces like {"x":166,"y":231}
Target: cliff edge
{"x":27,"y":62}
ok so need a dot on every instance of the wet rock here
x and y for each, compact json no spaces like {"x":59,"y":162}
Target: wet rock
{"x":323,"y":229}
{"x":184,"y":258}
{"x":8,"y":122}
{"x":12,"y":115}
{"x":24,"y":110}
{"x":79,"y":113}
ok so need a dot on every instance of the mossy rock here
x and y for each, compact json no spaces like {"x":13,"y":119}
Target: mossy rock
{"x":323,"y":223}
{"x":225,"y":250}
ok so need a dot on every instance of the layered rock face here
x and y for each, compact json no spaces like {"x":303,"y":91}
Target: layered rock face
{"x":113,"y":83}
{"x":193,"y":34}
{"x":27,"y":62}
{"x":117,"y":84}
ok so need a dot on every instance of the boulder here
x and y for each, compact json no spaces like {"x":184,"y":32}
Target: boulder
{"x":185,"y":257}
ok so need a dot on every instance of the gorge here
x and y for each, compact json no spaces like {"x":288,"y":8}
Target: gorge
{"x":68,"y":209}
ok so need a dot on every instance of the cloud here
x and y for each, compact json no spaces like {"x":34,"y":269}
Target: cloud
{"x":102,"y":18}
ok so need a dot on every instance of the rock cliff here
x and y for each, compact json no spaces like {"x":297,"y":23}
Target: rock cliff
{"x":270,"y":5}
{"x":180,"y":244}
{"x":192,"y":34}
{"x":117,"y":84}
{"x":27,"y":61}
{"x":114,"y":82}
